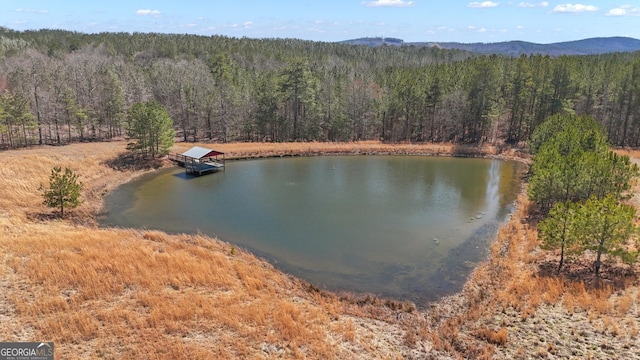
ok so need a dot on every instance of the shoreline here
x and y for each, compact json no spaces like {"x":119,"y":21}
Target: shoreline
{"x":190,"y":291}
{"x":416,"y":151}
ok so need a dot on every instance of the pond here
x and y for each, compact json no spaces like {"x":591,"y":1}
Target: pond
{"x":403,"y":227}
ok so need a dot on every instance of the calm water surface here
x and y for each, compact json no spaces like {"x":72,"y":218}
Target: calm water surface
{"x":406,"y":227}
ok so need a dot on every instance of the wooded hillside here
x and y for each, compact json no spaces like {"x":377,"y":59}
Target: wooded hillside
{"x":59,"y":87}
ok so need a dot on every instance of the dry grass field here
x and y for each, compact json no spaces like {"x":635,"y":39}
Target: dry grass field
{"x":124,"y":294}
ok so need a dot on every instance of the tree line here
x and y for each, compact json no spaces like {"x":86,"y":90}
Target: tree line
{"x":58,"y":87}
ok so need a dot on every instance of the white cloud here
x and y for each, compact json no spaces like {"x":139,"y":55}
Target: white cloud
{"x":531,"y":5}
{"x":477,"y":29}
{"x":484,"y":4}
{"x":577,"y":8}
{"x":148,"y":12}
{"x":33,"y":11}
{"x":389,"y":3}
{"x":617,"y":12}
{"x":625,"y":10}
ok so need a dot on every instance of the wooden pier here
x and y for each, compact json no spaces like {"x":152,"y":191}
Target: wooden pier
{"x":199,"y":161}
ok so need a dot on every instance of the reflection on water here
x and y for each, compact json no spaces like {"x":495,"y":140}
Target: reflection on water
{"x":402,"y":227}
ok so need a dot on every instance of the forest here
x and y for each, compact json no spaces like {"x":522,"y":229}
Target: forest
{"x":58,"y":87}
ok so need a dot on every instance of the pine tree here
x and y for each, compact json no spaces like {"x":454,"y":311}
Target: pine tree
{"x":557,"y":230}
{"x":150,"y":124}
{"x":564,"y":159}
{"x":605,"y":225}
{"x":64,"y":190}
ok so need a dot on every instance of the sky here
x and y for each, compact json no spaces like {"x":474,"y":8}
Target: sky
{"x":336,"y":20}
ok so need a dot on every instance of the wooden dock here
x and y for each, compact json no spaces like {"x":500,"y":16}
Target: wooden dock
{"x":199,"y":161}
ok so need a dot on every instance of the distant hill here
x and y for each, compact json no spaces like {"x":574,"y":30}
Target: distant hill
{"x":591,"y":46}
{"x":375,"y":41}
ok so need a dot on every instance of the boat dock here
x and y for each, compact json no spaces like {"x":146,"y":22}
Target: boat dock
{"x":199,"y":161}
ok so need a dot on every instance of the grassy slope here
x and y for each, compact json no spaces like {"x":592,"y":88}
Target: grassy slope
{"x":107,"y":293}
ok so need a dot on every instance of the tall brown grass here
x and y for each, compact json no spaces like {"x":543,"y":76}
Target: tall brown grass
{"x":258,"y":150}
{"x":498,"y":337}
{"x":115,"y":284}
